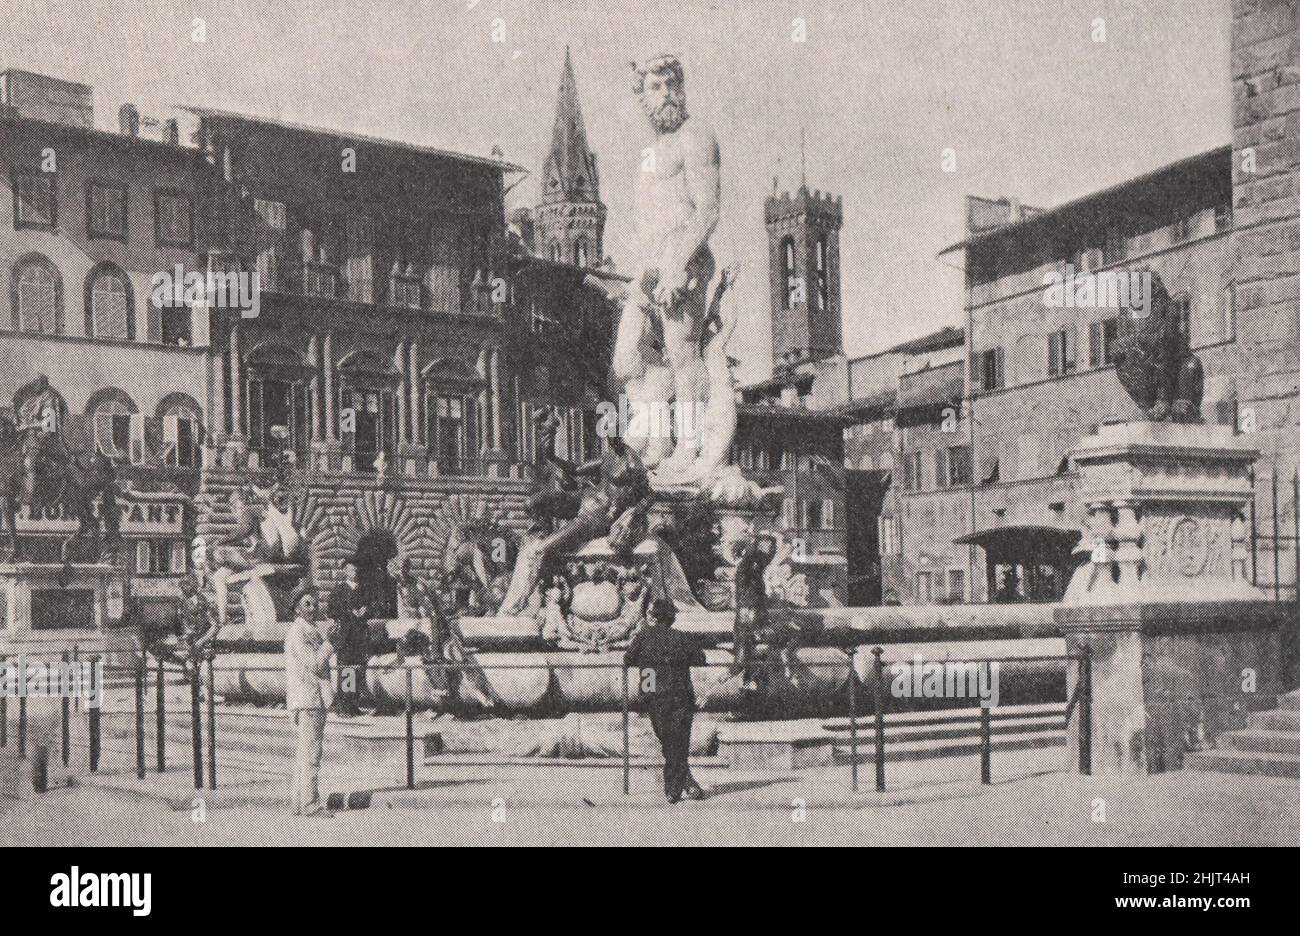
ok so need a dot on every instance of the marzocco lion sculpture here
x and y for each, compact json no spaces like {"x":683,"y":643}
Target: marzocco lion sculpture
{"x":1154,"y":363}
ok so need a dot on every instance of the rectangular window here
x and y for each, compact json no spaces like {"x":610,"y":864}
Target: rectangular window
{"x":988,"y":368}
{"x":941,"y":468}
{"x":1101,"y":342}
{"x":278,"y":403}
{"x":828,"y":515}
{"x":448,"y":432}
{"x":913,"y":472}
{"x":1060,"y":353}
{"x":34,"y":202}
{"x":959,"y":465}
{"x":177,"y":325}
{"x":1180,"y":230}
{"x":105,"y":211}
{"x":360,"y":267}
{"x":1223,"y":217}
{"x":374,"y":413}
{"x":956,"y":585}
{"x":812,"y":515}
{"x":173,"y":219}
{"x":1228,"y":311}
{"x":788,"y":520}
{"x":924,"y":588}
{"x":890,"y":538}
{"x":161,"y":557}
{"x":275,"y":221}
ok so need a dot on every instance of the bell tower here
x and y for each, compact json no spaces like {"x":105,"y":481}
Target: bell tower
{"x":569,"y":224}
{"x":803,"y":233}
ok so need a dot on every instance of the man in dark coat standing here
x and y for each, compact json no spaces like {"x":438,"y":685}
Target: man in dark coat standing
{"x":348,"y":609}
{"x":663,"y":659}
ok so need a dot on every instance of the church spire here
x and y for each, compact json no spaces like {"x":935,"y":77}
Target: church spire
{"x":569,"y":173}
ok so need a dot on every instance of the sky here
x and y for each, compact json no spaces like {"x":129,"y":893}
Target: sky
{"x":1031,"y":106}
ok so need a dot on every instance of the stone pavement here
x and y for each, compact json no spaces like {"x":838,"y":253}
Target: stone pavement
{"x":932,"y":802}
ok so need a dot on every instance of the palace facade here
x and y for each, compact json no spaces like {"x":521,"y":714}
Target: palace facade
{"x":398,"y":340}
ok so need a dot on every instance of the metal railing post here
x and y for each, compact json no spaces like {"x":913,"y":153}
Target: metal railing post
{"x":410,"y":729}
{"x":65,"y":716}
{"x":1085,"y":712}
{"x":140,"y":671}
{"x":1277,"y":541}
{"x":879,"y":688}
{"x":1295,"y":525}
{"x":1254,"y":533}
{"x":160,"y":717}
{"x":4,"y":708}
{"x":196,"y":723}
{"x":853,"y":717}
{"x":627,"y":736}
{"x":212,"y":722}
{"x":986,"y":745}
{"x":92,"y":714}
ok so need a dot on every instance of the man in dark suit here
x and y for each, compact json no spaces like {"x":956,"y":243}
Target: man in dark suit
{"x":663,"y":659}
{"x":348,"y":609}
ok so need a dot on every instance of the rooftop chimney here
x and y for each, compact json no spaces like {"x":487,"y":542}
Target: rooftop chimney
{"x":128,"y":120}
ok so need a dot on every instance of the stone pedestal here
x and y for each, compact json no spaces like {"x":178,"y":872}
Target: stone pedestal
{"x":1182,"y":645}
{"x":47,"y":608}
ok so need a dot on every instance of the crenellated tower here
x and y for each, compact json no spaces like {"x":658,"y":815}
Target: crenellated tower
{"x":803,"y":232}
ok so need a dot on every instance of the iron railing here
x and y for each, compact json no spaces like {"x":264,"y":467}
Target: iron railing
{"x":202,"y":683}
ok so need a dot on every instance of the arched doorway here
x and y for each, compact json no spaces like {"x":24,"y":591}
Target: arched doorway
{"x":374,"y":550}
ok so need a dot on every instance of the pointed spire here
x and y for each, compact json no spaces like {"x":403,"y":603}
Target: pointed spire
{"x":569,"y":173}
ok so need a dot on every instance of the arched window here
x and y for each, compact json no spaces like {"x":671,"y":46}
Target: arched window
{"x":110,"y":307}
{"x":1183,"y":311}
{"x":788,"y":299}
{"x":580,"y":252}
{"x":182,"y":424}
{"x":823,"y":276}
{"x":119,"y":430}
{"x":556,"y":251}
{"x":36,"y":296}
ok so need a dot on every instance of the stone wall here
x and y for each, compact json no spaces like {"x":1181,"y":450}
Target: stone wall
{"x":337,"y":509}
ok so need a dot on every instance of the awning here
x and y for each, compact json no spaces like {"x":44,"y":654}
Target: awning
{"x":1026,"y":544}
{"x":944,"y":391}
